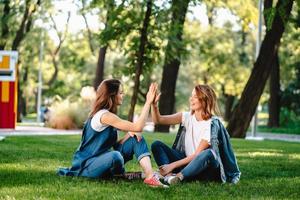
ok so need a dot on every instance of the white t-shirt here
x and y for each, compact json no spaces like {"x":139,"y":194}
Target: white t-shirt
{"x":96,"y":123}
{"x":195,"y":132}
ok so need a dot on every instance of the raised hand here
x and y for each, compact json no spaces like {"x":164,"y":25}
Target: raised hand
{"x":157,"y":97}
{"x":151,"y":93}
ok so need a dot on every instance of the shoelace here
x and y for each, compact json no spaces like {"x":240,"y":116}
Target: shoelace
{"x":154,"y":180}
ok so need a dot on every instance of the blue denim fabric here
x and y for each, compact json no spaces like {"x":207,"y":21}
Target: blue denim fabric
{"x":221,"y":146}
{"x":104,"y":165}
{"x":220,"y":143}
{"x":132,"y":147}
{"x":165,"y":155}
{"x":94,"y":157}
{"x":205,"y":159}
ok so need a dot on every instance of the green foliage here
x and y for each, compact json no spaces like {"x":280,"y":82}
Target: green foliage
{"x":269,"y":17}
{"x":209,"y":63}
{"x":270,"y":170}
{"x":122,"y":32}
{"x":13,"y":20}
{"x":121,"y":20}
{"x":290,"y":70}
{"x":220,"y":56}
{"x":289,"y":118}
{"x":245,"y":10}
{"x":153,"y":49}
{"x":270,"y":14}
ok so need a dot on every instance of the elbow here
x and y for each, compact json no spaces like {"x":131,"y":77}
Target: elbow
{"x":138,"y":128}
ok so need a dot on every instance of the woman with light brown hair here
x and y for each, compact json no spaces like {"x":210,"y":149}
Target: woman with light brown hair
{"x":94,"y":157}
{"x":196,"y":155}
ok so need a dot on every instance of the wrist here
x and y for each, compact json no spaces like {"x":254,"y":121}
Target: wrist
{"x":155,"y":105}
{"x":172,"y":165}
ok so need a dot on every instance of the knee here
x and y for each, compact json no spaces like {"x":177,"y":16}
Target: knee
{"x":141,"y":141}
{"x":117,"y":158}
{"x":206,"y":154}
{"x":155,"y":145}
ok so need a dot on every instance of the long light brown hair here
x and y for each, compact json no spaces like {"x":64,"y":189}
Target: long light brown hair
{"x":208,"y":101}
{"x":106,"y":96}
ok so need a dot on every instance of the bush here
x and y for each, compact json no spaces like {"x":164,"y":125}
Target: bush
{"x":65,"y":114}
{"x":288,"y":118}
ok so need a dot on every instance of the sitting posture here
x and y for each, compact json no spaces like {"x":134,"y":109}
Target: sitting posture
{"x":94,"y":157}
{"x":202,"y":149}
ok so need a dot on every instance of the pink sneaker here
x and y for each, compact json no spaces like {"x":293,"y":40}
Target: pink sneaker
{"x":154,"y":182}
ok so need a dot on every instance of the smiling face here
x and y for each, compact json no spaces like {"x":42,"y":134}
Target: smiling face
{"x":119,"y":96}
{"x":195,"y":103}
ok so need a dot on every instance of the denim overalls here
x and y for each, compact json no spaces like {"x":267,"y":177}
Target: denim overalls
{"x":94,"y":157}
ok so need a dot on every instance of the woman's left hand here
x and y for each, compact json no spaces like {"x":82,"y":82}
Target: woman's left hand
{"x":166,"y":169}
{"x":151,"y":93}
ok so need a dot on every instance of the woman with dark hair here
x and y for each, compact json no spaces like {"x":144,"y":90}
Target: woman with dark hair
{"x":94,"y":157}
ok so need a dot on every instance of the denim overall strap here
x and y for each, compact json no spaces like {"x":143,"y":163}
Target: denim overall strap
{"x":93,"y":143}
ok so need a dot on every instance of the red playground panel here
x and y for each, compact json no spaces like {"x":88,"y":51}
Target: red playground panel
{"x":8,"y":89}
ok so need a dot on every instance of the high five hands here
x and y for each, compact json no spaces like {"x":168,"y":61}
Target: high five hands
{"x":151,"y":98}
{"x":151,"y":93}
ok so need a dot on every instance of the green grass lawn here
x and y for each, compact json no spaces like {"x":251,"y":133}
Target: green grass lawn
{"x":270,"y":170}
{"x":284,"y":130}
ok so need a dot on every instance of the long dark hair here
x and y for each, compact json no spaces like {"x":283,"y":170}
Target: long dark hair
{"x":208,"y":100}
{"x":106,"y":96}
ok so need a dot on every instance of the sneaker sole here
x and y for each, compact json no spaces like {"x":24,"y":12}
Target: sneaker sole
{"x":174,"y":181}
{"x":157,"y":186}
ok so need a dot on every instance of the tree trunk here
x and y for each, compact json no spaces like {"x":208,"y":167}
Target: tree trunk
{"x":100,"y":67}
{"x":172,"y":61}
{"x":55,"y":53}
{"x":140,"y":59}
{"x":229,"y":100}
{"x":23,"y":100}
{"x":274,"y":101}
{"x":4,"y":24}
{"x":21,"y":107}
{"x":25,"y":24}
{"x":102,"y":52}
{"x":24,"y":28}
{"x":83,"y":14}
{"x":245,"y":109}
{"x":54,"y":75}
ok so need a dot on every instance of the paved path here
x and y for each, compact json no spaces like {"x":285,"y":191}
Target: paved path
{"x":34,"y":130}
{"x":275,"y":136}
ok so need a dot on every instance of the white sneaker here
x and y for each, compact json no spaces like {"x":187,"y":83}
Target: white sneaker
{"x":172,"y":180}
{"x":158,"y":175}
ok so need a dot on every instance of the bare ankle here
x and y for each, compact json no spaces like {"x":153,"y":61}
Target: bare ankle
{"x":180,"y":176}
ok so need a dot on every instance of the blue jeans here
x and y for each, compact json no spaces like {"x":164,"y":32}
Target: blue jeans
{"x":203,"y":166}
{"x":112,"y":162}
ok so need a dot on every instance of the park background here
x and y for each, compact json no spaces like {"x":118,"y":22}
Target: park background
{"x":75,"y":44}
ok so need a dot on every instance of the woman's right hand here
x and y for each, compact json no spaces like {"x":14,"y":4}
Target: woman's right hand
{"x":137,"y":135}
{"x":157,"y":97}
{"x":151,"y":93}
{"x":166,"y":169}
